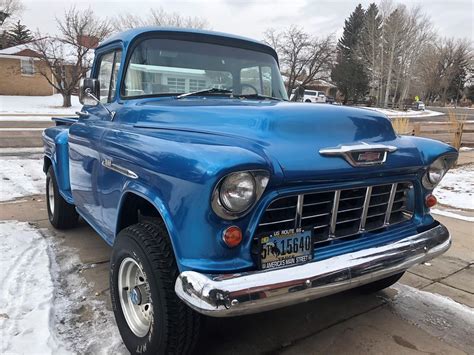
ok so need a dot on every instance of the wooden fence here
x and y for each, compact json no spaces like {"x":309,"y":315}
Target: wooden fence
{"x":459,"y":134}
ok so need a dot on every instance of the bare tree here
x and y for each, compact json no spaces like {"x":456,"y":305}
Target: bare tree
{"x":8,"y":9}
{"x":68,"y":56}
{"x":159,"y":17}
{"x":304,"y":59}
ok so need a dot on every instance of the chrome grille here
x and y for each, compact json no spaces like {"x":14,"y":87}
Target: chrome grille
{"x":340,"y":213}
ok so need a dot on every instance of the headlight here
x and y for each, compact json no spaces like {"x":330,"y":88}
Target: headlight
{"x":436,"y":171}
{"x":237,"y":192}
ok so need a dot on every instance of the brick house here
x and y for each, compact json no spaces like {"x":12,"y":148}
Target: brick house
{"x":20,"y":73}
{"x":21,"y":67}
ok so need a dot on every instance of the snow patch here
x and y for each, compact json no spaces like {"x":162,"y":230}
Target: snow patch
{"x":37,"y":104}
{"x":452,"y":214}
{"x":21,"y":177}
{"x":409,"y":113}
{"x":22,"y":118}
{"x":438,"y":315}
{"x":457,"y":188}
{"x":82,"y":323}
{"x":26,"y":295}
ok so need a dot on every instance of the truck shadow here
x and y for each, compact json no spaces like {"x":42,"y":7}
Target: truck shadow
{"x":272,"y":331}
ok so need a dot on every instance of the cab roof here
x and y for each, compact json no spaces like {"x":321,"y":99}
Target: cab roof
{"x":127,"y":37}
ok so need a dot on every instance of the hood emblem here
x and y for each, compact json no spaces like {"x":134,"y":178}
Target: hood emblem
{"x":361,"y":154}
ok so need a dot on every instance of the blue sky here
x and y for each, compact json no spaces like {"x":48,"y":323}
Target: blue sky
{"x":451,"y":18}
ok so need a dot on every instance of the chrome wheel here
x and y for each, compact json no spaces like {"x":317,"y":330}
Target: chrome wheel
{"x":134,"y":294}
{"x":51,"y":195}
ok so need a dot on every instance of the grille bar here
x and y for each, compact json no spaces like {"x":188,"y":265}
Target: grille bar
{"x":335,"y":207}
{"x":388,"y":213}
{"x":363,"y":218}
{"x":299,"y":211}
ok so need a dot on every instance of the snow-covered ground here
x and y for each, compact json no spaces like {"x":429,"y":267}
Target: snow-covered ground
{"x":37,"y":105}
{"x":409,"y":113}
{"x":21,"y":177}
{"x":457,"y":188}
{"x":42,"y":299}
{"x":438,"y":315}
{"x":26,"y":297}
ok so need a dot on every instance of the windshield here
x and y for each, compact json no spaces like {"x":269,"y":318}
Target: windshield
{"x":164,"y":66}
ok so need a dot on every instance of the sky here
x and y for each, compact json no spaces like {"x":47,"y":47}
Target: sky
{"x":451,"y":18}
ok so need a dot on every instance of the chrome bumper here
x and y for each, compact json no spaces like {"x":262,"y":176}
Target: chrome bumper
{"x":229,"y":295}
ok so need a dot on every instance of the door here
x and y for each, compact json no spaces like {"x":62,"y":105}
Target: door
{"x":84,"y":143}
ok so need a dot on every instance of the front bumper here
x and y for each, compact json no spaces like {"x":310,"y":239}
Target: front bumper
{"x":229,"y":295}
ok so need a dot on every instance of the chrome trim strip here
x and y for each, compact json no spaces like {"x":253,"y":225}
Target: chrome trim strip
{"x":229,"y":295}
{"x":107,"y":163}
{"x":362,"y":147}
{"x":363,"y":217}
{"x":388,"y":212}
{"x":335,"y":207}
{"x":299,"y":211}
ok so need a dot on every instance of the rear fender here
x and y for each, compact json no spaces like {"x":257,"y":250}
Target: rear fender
{"x":55,"y":141}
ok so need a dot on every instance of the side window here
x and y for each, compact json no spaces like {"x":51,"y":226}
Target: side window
{"x":257,"y":77}
{"x":249,"y":79}
{"x":267,"y":81}
{"x":108,"y":71}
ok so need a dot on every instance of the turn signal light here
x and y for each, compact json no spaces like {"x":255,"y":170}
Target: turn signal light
{"x":232,"y":236}
{"x":430,"y":201}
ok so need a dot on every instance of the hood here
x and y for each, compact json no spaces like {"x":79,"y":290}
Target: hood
{"x":291,"y":134}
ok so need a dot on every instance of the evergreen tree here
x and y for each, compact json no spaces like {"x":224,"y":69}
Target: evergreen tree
{"x":19,"y":34}
{"x":349,"y":73}
{"x":369,"y":47}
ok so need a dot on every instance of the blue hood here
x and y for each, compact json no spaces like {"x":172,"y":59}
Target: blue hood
{"x":285,"y":133}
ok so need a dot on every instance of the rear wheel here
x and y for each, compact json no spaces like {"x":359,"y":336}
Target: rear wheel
{"x":308,"y":100}
{"x":150,"y":317}
{"x":380,"y":284}
{"x":61,"y":214}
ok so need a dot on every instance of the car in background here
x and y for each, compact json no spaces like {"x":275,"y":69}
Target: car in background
{"x":311,"y":96}
{"x":418,"y":105}
{"x":330,"y":99}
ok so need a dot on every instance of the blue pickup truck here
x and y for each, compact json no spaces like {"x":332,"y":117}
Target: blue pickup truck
{"x":219,"y":197}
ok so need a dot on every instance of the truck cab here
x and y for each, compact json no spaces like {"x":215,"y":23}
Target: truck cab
{"x":219,"y":197}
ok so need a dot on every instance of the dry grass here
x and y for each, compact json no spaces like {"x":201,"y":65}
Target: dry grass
{"x":401,"y":125}
{"x":456,"y":122}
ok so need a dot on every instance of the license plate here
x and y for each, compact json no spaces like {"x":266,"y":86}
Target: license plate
{"x":285,"y":248}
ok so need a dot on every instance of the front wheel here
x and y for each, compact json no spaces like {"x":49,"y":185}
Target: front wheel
{"x":150,"y":317}
{"x":61,"y":214}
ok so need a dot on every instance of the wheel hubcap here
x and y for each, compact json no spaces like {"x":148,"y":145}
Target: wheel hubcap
{"x":134,"y":295}
{"x":51,"y":195}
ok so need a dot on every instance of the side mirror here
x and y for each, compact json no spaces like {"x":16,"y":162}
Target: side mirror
{"x":89,"y":92}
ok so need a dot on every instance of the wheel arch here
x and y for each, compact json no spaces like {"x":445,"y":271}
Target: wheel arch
{"x":136,"y":204}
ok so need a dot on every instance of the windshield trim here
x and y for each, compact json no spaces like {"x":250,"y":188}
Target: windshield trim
{"x":185,"y":36}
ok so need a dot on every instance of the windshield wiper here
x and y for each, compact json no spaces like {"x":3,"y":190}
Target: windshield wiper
{"x":258,"y":96}
{"x":206,"y":91}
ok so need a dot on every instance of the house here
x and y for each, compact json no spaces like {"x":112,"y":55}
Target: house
{"x":20,"y":72}
{"x":21,"y":68}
